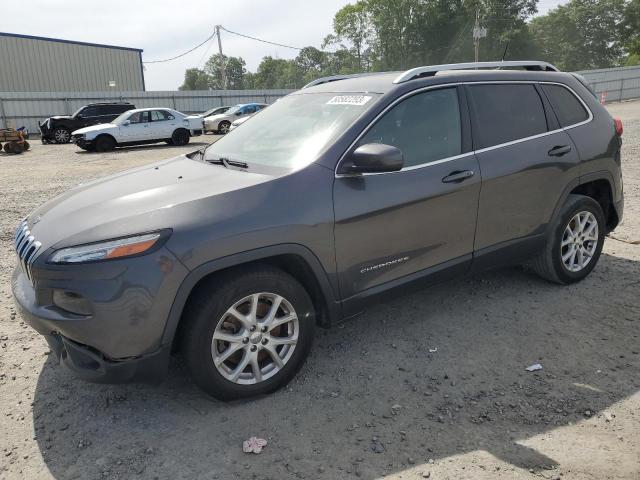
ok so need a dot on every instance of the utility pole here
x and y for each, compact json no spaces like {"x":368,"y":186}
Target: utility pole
{"x":222,"y":62}
{"x":478,"y":33}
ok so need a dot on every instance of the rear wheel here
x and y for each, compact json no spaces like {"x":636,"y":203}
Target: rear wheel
{"x":575,"y":244}
{"x":105,"y":144}
{"x":180,"y":137}
{"x":61,"y":135}
{"x":247,"y":333}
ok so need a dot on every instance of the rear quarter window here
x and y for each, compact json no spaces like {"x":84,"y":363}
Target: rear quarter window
{"x":506,"y":112}
{"x":566,"y":106}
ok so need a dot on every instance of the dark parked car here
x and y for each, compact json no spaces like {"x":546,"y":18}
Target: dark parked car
{"x":333,"y":196}
{"x":58,"y":129}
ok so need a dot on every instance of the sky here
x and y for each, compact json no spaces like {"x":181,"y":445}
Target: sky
{"x":165,"y":28}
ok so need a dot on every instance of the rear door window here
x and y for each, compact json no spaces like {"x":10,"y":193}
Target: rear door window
{"x":139,"y":117}
{"x":158,"y":116}
{"x":566,"y":106}
{"x":506,"y":112}
{"x":90,"y":112}
{"x":426,"y":127}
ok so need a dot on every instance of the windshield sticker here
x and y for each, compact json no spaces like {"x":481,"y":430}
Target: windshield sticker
{"x":349,"y":100}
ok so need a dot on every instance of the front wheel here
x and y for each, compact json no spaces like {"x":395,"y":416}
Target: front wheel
{"x":575,"y":242}
{"x":247,"y":333}
{"x":105,"y":144}
{"x":61,"y":135}
{"x":224,"y":127}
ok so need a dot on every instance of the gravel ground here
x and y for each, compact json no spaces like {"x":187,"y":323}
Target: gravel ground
{"x":430,"y":385}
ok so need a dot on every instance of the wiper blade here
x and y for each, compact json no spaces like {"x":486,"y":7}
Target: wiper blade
{"x":228,"y":163}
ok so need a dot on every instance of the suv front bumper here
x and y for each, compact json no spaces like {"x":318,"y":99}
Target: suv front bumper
{"x":120,"y":338}
{"x":46,"y":132}
{"x":82,"y":142}
{"x":92,"y":366}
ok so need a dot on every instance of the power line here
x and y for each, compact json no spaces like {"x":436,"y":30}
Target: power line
{"x":259,"y":39}
{"x":185,"y":53}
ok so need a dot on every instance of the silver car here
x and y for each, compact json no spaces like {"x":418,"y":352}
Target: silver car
{"x":222,"y":122}
{"x":213,"y":111}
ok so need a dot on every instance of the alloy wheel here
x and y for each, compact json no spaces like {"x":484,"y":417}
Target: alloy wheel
{"x":255,"y":338}
{"x":61,"y":135}
{"x":579,"y":241}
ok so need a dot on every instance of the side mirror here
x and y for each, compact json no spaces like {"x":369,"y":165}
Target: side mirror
{"x":126,"y":123}
{"x":375,"y":158}
{"x":238,"y":114}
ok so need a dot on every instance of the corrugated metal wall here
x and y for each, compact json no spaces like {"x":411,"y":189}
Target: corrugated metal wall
{"x":19,"y":109}
{"x":36,"y":65}
{"x":614,"y":83}
{"x":25,"y":109}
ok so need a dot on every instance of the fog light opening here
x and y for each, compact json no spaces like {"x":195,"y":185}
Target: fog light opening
{"x":72,"y":302}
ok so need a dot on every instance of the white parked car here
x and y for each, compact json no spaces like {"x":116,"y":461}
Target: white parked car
{"x":221,"y":123}
{"x":138,"y":127}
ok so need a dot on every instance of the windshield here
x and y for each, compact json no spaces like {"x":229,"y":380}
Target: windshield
{"x":292,"y":132}
{"x":233,"y":109}
{"x":75,"y":114}
{"x":120,"y":118}
{"x":216,"y":111}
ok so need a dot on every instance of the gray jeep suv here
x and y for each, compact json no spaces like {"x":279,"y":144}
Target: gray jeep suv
{"x":348,"y":189}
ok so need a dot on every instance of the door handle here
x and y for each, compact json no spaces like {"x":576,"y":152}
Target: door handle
{"x":559,"y":150}
{"x":458,"y":176}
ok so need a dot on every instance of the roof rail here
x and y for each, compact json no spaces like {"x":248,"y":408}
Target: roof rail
{"x":334,"y":78}
{"x":433,"y":69}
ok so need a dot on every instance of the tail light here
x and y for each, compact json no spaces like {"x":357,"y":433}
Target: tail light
{"x":618,"y":124}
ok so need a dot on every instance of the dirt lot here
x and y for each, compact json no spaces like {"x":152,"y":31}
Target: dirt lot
{"x":375,"y":399}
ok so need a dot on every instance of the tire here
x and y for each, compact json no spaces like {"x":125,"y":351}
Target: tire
{"x":180,"y":137}
{"x":223,"y":127}
{"x":105,"y":143}
{"x":61,"y":135}
{"x":26,"y":145}
{"x":555,"y":262}
{"x":208,"y":314}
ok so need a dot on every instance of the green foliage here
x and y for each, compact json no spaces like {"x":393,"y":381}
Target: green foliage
{"x":234,"y":68}
{"x":379,"y":35}
{"x":582,"y":34}
{"x":630,"y":32}
{"x":195,"y":79}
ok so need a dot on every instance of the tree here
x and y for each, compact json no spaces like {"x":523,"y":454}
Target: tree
{"x":353,"y":24}
{"x":234,"y":68}
{"x":195,"y":79}
{"x":630,"y":32}
{"x":581,"y":34}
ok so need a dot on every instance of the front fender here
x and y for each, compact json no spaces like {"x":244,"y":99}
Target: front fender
{"x":332,"y":305}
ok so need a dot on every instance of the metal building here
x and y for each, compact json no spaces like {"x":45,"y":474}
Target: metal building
{"x":40,"y":64}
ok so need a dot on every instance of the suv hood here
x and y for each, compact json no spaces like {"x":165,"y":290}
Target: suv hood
{"x":101,"y":127}
{"x":61,"y":117}
{"x":144,"y":199}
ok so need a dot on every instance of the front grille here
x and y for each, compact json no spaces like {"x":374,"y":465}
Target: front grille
{"x":26,"y":247}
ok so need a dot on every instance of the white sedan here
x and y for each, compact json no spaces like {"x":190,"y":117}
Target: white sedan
{"x":138,"y":127}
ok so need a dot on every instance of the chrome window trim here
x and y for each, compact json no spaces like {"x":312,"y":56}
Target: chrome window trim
{"x":473,"y":152}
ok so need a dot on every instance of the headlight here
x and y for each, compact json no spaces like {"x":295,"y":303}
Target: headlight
{"x":122,"y":247}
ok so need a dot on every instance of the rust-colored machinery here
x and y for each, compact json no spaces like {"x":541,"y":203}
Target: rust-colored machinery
{"x":14,"y":140}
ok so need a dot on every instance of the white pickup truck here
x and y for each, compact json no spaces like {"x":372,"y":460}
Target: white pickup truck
{"x":138,"y":127}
